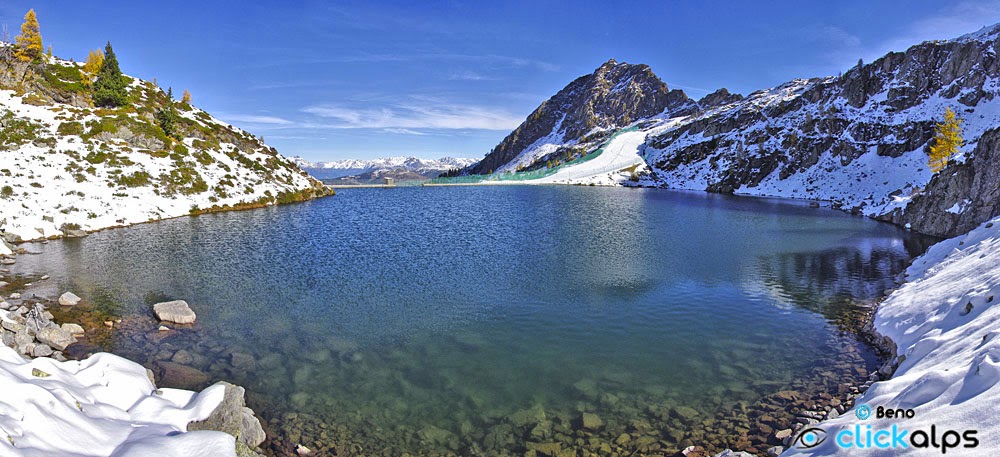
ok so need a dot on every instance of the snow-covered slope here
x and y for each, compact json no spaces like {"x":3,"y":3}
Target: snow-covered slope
{"x":945,"y":322}
{"x":349,"y":167}
{"x":100,"y":406}
{"x":621,"y":152}
{"x":66,"y":166}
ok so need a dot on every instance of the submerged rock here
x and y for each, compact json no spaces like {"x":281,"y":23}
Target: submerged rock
{"x":437,"y":435}
{"x":524,"y":417}
{"x":176,"y":311}
{"x":242,"y":361}
{"x":686,"y":414}
{"x":182,"y":375}
{"x":590,"y":421}
{"x":549,"y":449}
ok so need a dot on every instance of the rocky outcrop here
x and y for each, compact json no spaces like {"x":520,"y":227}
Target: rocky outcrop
{"x":31,"y":77}
{"x":614,"y":96}
{"x":718,"y":98}
{"x":960,"y":197}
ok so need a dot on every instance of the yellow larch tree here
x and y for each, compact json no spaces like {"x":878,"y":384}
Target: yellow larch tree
{"x":94,"y":61}
{"x":29,"y":42}
{"x":186,"y":97}
{"x":947,"y":140}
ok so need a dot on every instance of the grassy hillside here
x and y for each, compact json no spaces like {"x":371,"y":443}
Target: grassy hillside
{"x":66,"y":165}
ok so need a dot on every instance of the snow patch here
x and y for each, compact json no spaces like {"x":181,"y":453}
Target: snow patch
{"x":103,"y":405}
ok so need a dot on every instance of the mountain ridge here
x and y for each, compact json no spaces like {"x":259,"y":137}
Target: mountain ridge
{"x":857,"y":139}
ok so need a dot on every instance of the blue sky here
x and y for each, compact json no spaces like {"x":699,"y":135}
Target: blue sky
{"x":332,"y":80}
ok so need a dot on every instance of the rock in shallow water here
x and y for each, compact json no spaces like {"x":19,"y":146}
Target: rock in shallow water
{"x":176,"y":311}
{"x":55,"y":337}
{"x":73,"y":329}
{"x":183,"y":376}
{"x":69,"y":299}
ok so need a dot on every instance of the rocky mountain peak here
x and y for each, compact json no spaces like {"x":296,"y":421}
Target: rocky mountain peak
{"x":611,"y":63}
{"x":613,"y":96}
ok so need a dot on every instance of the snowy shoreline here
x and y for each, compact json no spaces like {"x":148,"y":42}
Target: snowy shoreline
{"x":104,"y":404}
{"x":944,"y":324}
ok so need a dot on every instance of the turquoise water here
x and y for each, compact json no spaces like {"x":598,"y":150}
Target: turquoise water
{"x":459,"y":319}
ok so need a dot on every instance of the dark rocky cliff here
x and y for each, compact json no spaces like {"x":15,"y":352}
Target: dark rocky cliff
{"x":961,"y":196}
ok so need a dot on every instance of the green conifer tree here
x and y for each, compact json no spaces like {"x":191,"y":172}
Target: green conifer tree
{"x":110,"y":85}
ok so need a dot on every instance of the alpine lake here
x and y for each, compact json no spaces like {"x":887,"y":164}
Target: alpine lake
{"x":500,"y":320}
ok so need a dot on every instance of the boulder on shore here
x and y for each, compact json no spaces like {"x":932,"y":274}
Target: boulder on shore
{"x":233,"y":417}
{"x":176,"y":311}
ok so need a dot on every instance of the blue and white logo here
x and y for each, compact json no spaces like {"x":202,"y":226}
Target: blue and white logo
{"x":863,"y":412}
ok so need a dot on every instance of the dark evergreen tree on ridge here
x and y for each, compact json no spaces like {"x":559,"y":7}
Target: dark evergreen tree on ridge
{"x":167,"y":116}
{"x":109,"y":87}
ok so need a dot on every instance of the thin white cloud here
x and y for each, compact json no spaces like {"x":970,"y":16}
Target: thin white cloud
{"x":490,"y":60}
{"x":421,"y":113}
{"x":399,"y":131}
{"x":469,"y":76}
{"x":254,"y":119}
{"x":833,"y":36}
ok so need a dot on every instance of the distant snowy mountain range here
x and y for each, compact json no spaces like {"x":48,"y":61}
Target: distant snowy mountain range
{"x":403,"y":166}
